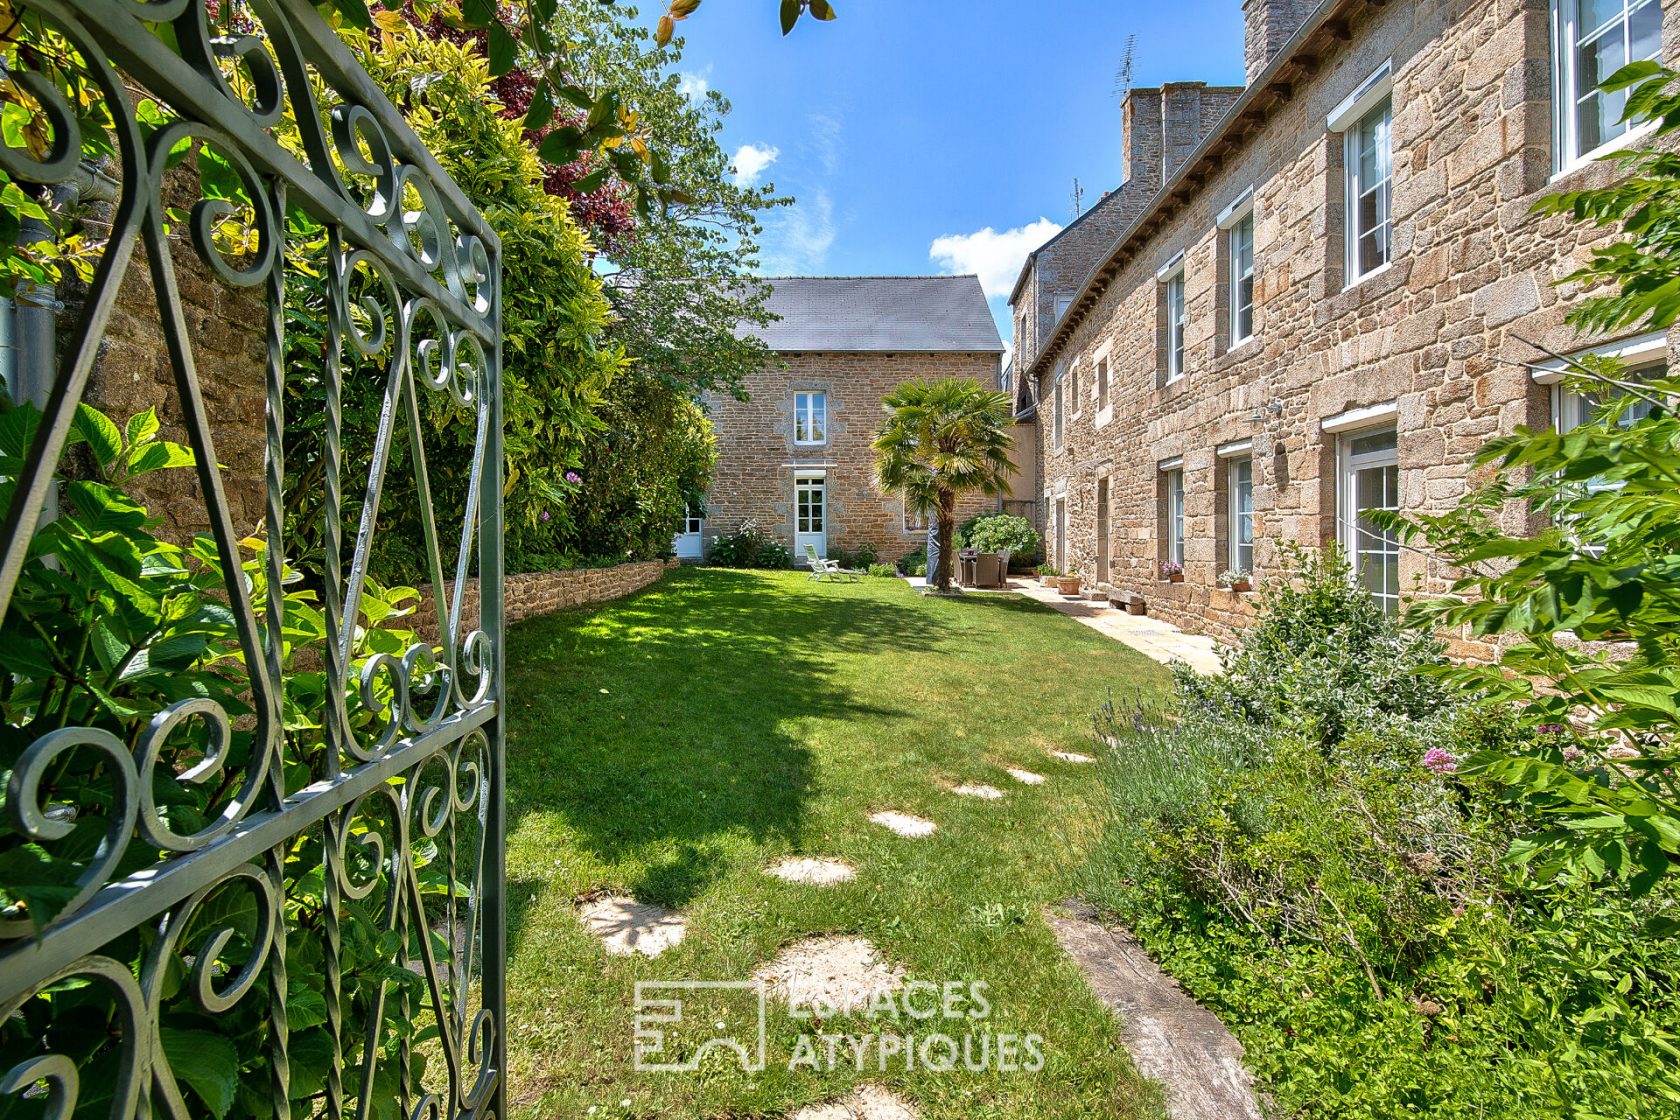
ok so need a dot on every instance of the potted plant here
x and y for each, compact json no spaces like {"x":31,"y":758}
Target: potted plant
{"x":1236,"y":580}
{"x":1172,"y":570}
{"x":1067,"y":585}
{"x":1048,"y":574}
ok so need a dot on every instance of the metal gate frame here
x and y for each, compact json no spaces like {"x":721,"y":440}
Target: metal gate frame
{"x":436,"y":268}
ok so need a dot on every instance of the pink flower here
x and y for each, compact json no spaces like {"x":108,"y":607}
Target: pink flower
{"x":1440,"y":761}
{"x":573,"y":477}
{"x":1572,"y":753}
{"x":545,"y":515}
{"x":1550,"y":729}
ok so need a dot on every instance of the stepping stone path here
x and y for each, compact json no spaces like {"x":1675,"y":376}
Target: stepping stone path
{"x":1172,"y":1038}
{"x":842,"y":973}
{"x":866,"y":1102}
{"x":1071,"y":756}
{"x":625,"y":926}
{"x":813,"y":871}
{"x":989,"y":793}
{"x":904,"y":823}
{"x":1025,"y":777}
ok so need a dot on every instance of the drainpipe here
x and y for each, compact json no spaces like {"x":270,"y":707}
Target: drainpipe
{"x":29,"y":322}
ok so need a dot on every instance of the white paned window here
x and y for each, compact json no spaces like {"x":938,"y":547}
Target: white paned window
{"x":694,"y":520}
{"x":1369,"y":166}
{"x":1174,"y":480}
{"x":810,"y":418}
{"x":1176,"y":321}
{"x":1592,"y":40}
{"x":1239,"y":502}
{"x":1063,"y":302}
{"x":1369,"y":480}
{"x":1102,"y":383}
{"x":809,"y":505}
{"x":1241,"y":249}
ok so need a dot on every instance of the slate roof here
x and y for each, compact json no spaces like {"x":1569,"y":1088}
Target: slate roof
{"x":921,"y":314}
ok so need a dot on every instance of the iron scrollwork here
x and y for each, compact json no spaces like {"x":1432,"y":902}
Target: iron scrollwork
{"x":379,"y":870}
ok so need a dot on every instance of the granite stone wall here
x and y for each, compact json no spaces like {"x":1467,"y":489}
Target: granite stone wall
{"x":528,"y":594}
{"x":1439,"y":335}
{"x":758,"y":460}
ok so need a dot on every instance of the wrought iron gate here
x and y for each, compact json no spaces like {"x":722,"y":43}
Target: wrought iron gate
{"x":329,"y":915}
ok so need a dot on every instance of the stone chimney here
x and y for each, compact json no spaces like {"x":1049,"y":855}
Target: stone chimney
{"x":1140,"y":147}
{"x":1163,"y":126}
{"x":1267,"y":26}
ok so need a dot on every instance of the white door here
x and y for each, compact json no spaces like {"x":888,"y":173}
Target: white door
{"x":810,"y":513}
{"x":689,"y":544}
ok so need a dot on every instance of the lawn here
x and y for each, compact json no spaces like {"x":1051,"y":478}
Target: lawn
{"x":675,"y":743}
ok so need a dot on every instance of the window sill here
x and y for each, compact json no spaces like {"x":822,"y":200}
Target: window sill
{"x":1364,"y":292}
{"x":1242,"y":351}
{"x":1104,"y":418}
{"x":1367,"y":277}
{"x":1626,"y":140}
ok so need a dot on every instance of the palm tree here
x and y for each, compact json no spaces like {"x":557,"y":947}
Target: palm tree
{"x":942,"y":439}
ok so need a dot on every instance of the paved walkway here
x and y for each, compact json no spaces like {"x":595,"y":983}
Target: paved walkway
{"x":1149,"y":636}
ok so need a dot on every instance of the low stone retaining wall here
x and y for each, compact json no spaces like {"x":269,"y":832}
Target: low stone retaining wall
{"x":528,"y":594}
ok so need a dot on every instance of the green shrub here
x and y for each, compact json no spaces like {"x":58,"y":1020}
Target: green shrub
{"x":865,"y":555}
{"x":750,"y":546}
{"x":914,"y":563}
{"x":886,"y":571}
{"x":1321,"y":657}
{"x":1001,"y":532}
{"x":1316,"y":867}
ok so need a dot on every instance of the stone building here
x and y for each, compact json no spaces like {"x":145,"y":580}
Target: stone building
{"x":1335,"y":296}
{"x":795,"y":456}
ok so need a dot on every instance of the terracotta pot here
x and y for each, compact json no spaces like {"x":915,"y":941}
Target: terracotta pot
{"x":1048,"y":581}
{"x":1241,"y":585}
{"x":1068,"y":585}
{"x":1176,"y":577}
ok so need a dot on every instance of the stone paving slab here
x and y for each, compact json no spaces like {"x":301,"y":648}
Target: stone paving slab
{"x":1172,"y":1038}
{"x":1151,"y":637}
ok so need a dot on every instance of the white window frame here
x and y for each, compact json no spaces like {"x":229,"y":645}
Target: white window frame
{"x":1232,"y":222}
{"x":1235,"y":516}
{"x":1569,"y":408}
{"x":1172,"y":476}
{"x":807,"y":481}
{"x":1073,"y":389}
{"x":1348,"y":466}
{"x":691,"y":522}
{"x":1566,"y":92}
{"x":805,"y":402}
{"x":1063,"y":301}
{"x":1347,"y":118}
{"x":1242,"y":231}
{"x":1102,"y":371}
{"x":1178,"y":317}
{"x":1383,"y":113}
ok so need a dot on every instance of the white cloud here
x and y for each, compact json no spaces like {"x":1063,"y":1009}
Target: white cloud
{"x":797,"y":241}
{"x":694,"y":85}
{"x":751,"y":161}
{"x":996,"y":257}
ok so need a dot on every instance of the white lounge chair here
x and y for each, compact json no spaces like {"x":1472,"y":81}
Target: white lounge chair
{"x":828,"y":569}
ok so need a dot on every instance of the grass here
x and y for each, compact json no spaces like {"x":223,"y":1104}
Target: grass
{"x":675,"y":743}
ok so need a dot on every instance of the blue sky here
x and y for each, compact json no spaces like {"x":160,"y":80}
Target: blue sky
{"x":906,"y":124}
